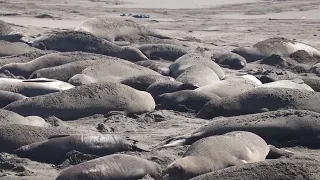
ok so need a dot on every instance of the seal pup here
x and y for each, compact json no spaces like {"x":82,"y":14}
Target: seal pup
{"x":49,"y":60}
{"x":276,"y":45}
{"x":167,"y":52}
{"x":33,"y":87}
{"x":231,"y":86}
{"x":14,"y":48}
{"x":8,"y":117}
{"x":282,"y":128}
{"x":113,"y":29}
{"x":113,"y":167}
{"x":219,"y":152}
{"x":198,"y":75}
{"x":8,"y":34}
{"x":159,"y":88}
{"x":54,"y":149}
{"x":142,"y":82}
{"x":229,"y":60}
{"x":273,"y":99}
{"x":86,"y":100}
{"x":188,"y":60}
{"x":68,"y":41}
{"x":161,"y":67}
{"x":294,"y":84}
{"x":7,"y":97}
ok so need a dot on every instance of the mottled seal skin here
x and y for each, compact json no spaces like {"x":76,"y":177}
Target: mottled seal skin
{"x":13,"y":136}
{"x":161,"y":67}
{"x":219,"y":152}
{"x":277,"y":45}
{"x":168,"y":52}
{"x":112,"y":167}
{"x":7,"y":97}
{"x":142,"y":82}
{"x":63,"y":72}
{"x":8,"y":117}
{"x":229,"y":60}
{"x":301,"y":166}
{"x":112,"y":29}
{"x":159,"y":88}
{"x":192,"y":59}
{"x":250,"y":102}
{"x":282,"y":128}
{"x":8,"y":34}
{"x":54,"y":149}
{"x":294,"y":84}
{"x":14,"y":48}
{"x":49,"y":60}
{"x":185,"y":100}
{"x":33,"y":87}
{"x":22,"y":58}
{"x":198,"y":75}
{"x":68,"y":41}
{"x":86,"y":100}
{"x":231,"y":86}
{"x":114,"y":68}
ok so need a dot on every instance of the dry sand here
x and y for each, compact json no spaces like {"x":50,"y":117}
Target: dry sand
{"x":217,"y":24}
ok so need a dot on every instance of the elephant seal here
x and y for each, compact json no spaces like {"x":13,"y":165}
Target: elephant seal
{"x":299,"y":166}
{"x":63,"y":72}
{"x":161,"y":67}
{"x":282,"y":128}
{"x":22,"y":58}
{"x":159,"y":88}
{"x":250,"y":102}
{"x":167,"y":52}
{"x":276,"y":45}
{"x":8,"y":34}
{"x":145,"y":39}
{"x":114,"y":68}
{"x":33,"y":87}
{"x":295,"y":84}
{"x":113,"y":167}
{"x":86,"y":100}
{"x":229,"y":60}
{"x":68,"y":41}
{"x":13,"y":136}
{"x":49,"y":60}
{"x":188,"y":60}
{"x":7,"y":97}
{"x":231,"y":86}
{"x":142,"y":82}
{"x":8,"y":117}
{"x":14,"y":48}
{"x":198,"y":75}
{"x":219,"y":152}
{"x":185,"y":100}
{"x":53,"y":150}
{"x":112,"y":29}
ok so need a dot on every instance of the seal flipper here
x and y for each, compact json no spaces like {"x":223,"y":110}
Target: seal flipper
{"x":275,"y":153}
{"x":140,"y":147}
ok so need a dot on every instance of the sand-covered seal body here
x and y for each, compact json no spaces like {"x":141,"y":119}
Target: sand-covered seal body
{"x":168,"y":52}
{"x":110,"y":70}
{"x":49,"y":60}
{"x":273,"y":99}
{"x":7,"y":97}
{"x":13,"y":136}
{"x":112,"y":29}
{"x":54,"y":149}
{"x":185,"y":100}
{"x":161,"y":67}
{"x":8,"y":117}
{"x":112,"y":167}
{"x":229,"y":60}
{"x":33,"y":87}
{"x":282,"y":128}
{"x":23,"y":58}
{"x":219,"y":152}
{"x":68,"y":41}
{"x":14,"y":48}
{"x":142,"y":82}
{"x":9,"y":34}
{"x":86,"y":100}
{"x":277,"y":45}
{"x":231,"y":86}
{"x":192,"y":59}
{"x":294,"y":84}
